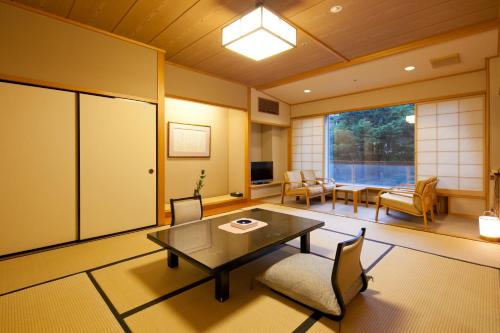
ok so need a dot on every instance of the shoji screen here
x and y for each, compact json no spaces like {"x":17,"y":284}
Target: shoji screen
{"x":307,"y":144}
{"x":37,"y":167}
{"x":450,"y":143}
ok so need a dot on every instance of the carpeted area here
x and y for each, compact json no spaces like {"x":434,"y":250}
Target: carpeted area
{"x":445,"y":224}
{"x":422,"y":282}
{"x":483,"y":253}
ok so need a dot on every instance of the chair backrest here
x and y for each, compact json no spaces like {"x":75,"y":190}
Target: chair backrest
{"x":308,"y":177}
{"x":348,"y":276}
{"x":420,"y":187}
{"x":294,"y":177}
{"x":186,"y":210}
{"x":430,"y":192}
{"x":434,"y":189}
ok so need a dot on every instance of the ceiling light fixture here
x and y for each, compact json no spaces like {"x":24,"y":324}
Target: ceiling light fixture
{"x":336,"y":9}
{"x":409,"y":68}
{"x":259,"y":34}
{"x":307,"y":91}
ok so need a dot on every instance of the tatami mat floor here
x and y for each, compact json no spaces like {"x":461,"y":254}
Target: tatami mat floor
{"x":123,"y":284}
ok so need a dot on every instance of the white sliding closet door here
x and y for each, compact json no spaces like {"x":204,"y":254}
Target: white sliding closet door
{"x":37,"y":167}
{"x":117,"y":165}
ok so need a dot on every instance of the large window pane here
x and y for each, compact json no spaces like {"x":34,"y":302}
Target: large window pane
{"x":372,"y":147}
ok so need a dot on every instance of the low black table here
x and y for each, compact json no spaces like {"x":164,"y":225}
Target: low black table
{"x":218,"y":251}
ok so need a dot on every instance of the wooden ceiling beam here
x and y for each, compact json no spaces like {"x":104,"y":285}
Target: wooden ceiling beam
{"x":467,"y":31}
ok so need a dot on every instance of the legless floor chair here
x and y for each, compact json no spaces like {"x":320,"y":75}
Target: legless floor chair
{"x":184,"y":210}
{"x":320,"y":283}
{"x":294,"y":186}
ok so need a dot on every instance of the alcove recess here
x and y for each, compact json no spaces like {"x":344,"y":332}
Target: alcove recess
{"x":269,"y":143}
{"x":225,"y":167}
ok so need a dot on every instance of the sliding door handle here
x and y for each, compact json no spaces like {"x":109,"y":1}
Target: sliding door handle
{"x":151,"y":171}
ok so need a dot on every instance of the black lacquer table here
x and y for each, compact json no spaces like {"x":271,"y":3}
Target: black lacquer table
{"x":218,"y":251}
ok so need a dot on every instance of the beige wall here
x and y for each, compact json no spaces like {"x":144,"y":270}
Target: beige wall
{"x":494,"y":75}
{"x":184,"y":83}
{"x":453,"y":85}
{"x":283,"y":119}
{"x":40,"y":48}
{"x":225,"y":167}
{"x":237,"y":134}
{"x":495,"y":112}
{"x":256,"y":144}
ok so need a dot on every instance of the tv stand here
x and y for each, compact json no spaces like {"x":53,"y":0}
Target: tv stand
{"x":262,"y":182}
{"x":265,"y":190}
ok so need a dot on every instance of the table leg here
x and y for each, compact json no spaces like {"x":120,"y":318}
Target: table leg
{"x":355,"y":200}
{"x":366,"y":197}
{"x":172,"y":260}
{"x":222,"y":286}
{"x":334,"y":196}
{"x":305,"y":243}
{"x":346,"y":197}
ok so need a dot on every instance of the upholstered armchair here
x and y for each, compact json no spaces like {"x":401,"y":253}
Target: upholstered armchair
{"x":310,"y":178}
{"x":294,"y":186}
{"x":417,"y":202}
{"x":320,"y":283}
{"x":411,"y":187}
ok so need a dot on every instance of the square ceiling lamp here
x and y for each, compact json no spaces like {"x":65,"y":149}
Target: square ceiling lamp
{"x":259,"y":34}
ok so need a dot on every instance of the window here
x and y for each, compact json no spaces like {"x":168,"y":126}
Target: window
{"x":372,"y":147}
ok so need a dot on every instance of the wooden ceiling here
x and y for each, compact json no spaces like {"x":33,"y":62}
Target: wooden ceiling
{"x":190,"y":30}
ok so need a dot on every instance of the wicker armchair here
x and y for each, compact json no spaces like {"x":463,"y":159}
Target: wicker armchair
{"x":411,"y":188}
{"x":310,"y":178}
{"x":418,"y":202}
{"x":294,"y":186}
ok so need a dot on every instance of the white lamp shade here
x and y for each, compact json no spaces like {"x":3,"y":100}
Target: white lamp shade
{"x":259,"y":35}
{"x":489,"y":227}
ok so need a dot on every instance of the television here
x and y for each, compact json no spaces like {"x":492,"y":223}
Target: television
{"x":262,"y":172}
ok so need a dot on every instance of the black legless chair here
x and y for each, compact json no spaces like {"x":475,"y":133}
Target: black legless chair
{"x":183,"y":210}
{"x":320,"y":283}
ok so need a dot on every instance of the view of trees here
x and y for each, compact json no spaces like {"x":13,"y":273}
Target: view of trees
{"x":376,"y":135}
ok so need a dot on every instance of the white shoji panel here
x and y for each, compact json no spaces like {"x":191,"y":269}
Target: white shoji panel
{"x":450,"y":143}
{"x":308,"y":137}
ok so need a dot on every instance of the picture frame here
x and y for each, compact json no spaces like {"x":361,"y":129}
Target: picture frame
{"x":188,"y":140}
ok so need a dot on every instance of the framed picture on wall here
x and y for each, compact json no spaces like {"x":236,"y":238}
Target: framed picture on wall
{"x":188,"y":140}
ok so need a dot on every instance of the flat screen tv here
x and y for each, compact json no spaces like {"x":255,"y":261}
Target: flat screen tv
{"x":262,"y":172}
